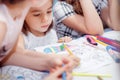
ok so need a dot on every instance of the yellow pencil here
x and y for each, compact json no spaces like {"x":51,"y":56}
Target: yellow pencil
{"x":100,"y":42}
{"x":68,"y":50}
{"x":91,"y":74}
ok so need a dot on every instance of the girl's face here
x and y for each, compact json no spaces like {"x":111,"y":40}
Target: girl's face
{"x":39,"y":18}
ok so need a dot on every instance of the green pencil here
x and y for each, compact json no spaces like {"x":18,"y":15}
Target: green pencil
{"x":91,"y":74}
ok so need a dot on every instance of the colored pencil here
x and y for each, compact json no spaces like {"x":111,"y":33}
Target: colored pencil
{"x":91,"y":75}
{"x":68,"y":50}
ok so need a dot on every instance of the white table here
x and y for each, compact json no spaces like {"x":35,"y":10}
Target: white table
{"x":113,"y":68}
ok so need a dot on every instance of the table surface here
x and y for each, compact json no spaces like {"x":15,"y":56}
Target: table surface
{"x":113,"y":68}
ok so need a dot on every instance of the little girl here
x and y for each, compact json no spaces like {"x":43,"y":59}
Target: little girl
{"x":19,"y":63}
{"x":37,"y":29}
{"x":38,"y":25}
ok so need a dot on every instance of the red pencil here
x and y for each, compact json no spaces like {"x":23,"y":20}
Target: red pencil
{"x":109,"y":41}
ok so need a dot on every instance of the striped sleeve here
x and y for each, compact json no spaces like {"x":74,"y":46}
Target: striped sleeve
{"x":104,"y":3}
{"x":62,"y":10}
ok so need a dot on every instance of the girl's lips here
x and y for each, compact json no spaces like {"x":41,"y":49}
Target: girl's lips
{"x":44,"y":26}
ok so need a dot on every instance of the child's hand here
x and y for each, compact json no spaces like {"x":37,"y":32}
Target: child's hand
{"x":65,"y":39}
{"x":55,"y":60}
{"x":58,"y":60}
{"x":70,"y":63}
{"x":57,"y":74}
{"x":76,"y":60}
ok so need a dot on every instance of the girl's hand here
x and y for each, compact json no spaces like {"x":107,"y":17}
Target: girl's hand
{"x":57,"y":74}
{"x":76,"y":60}
{"x":65,"y":39}
{"x":57,"y":61}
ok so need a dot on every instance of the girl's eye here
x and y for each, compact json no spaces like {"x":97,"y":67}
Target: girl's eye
{"x":36,"y":14}
{"x":49,"y":12}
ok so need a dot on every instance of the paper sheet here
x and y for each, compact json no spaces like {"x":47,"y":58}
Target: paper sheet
{"x":91,"y":57}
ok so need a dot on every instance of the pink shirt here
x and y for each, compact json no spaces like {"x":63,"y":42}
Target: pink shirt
{"x":13,"y":29}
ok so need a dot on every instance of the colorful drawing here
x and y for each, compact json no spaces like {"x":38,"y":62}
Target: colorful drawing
{"x":55,"y":48}
{"x":47,"y":50}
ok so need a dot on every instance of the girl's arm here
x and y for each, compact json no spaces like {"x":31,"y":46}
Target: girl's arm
{"x":115,"y":14}
{"x":32,"y":60}
{"x":111,"y":14}
{"x":89,"y":23}
{"x":2,"y":32}
{"x":20,"y":56}
{"x":21,"y":42}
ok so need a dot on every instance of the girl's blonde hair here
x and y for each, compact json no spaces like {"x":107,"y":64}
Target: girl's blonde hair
{"x":76,"y":5}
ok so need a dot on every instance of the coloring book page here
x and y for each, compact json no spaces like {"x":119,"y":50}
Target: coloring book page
{"x":91,"y":57}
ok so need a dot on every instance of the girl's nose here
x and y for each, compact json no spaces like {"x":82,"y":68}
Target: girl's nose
{"x":45,"y":18}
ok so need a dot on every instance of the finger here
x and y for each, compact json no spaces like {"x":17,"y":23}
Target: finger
{"x":68,"y":39}
{"x":60,"y":40}
{"x":59,"y":71}
{"x":57,"y":60}
{"x":76,"y":59}
{"x":67,"y":61}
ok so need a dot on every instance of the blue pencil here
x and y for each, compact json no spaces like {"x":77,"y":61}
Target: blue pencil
{"x":64,"y":75}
